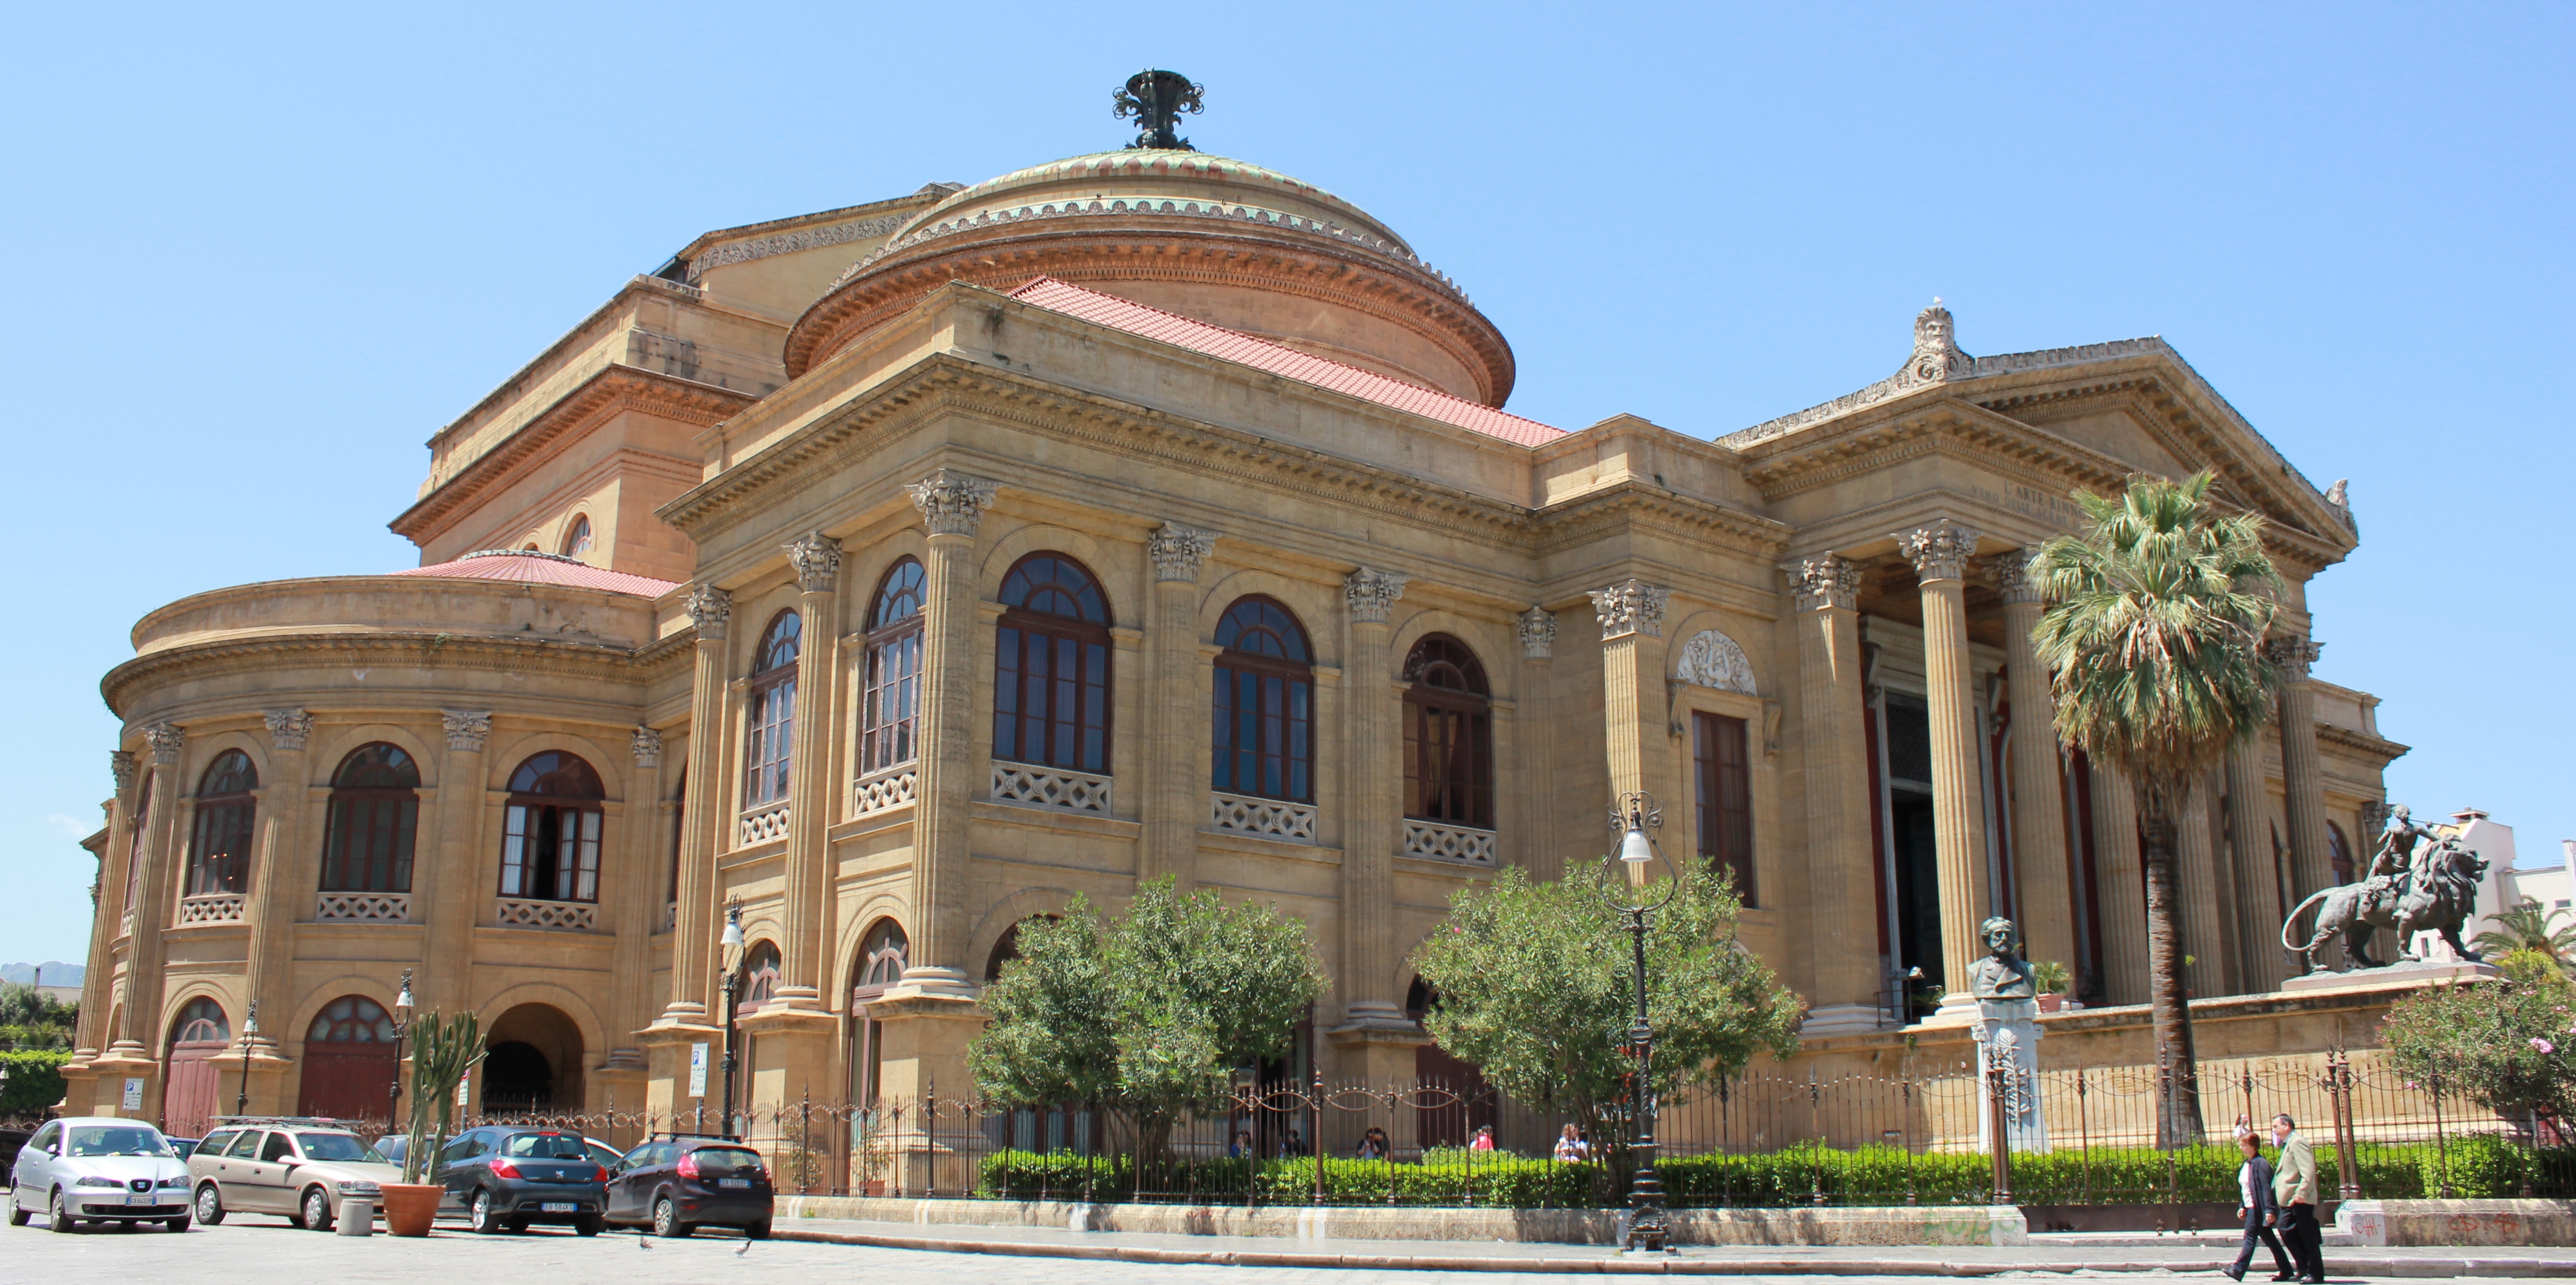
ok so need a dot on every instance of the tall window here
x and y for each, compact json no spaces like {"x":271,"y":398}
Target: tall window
{"x":890,"y":704}
{"x":134,"y":849}
{"x":219,"y":853}
{"x":766,"y":750}
{"x":351,"y":1019}
{"x":577,"y":539}
{"x":760,"y":972}
{"x":1724,"y":796}
{"x":375,"y":810}
{"x":1264,"y":704}
{"x":550,"y":848}
{"x":200,"y":1021}
{"x":881,"y":958}
{"x":1051,"y":667}
{"x":1448,"y":735}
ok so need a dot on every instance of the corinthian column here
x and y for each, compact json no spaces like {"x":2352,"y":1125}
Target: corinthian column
{"x":2302,"y":777}
{"x":152,"y":877}
{"x":2208,"y":933}
{"x":1370,"y":832}
{"x":1176,"y":773}
{"x":1940,"y":555}
{"x":2256,"y":894}
{"x":817,"y":560}
{"x":693,"y":935}
{"x":454,"y":895}
{"x":2038,"y":776}
{"x":106,"y":902}
{"x":952,"y":505}
{"x":1628,"y":611}
{"x":2123,"y":895}
{"x":1834,"y":754}
{"x":277,"y":886}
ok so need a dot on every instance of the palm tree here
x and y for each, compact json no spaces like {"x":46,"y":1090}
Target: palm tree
{"x":2527,"y":927}
{"x":2153,"y":639}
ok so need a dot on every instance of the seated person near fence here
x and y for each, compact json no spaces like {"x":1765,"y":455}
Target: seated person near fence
{"x":1241,"y":1147}
{"x":1571,"y":1147}
{"x":1295,"y":1146}
{"x":1484,"y":1138}
{"x":1372,"y":1144}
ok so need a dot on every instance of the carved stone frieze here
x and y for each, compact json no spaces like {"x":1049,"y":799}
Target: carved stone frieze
{"x":647,"y":744}
{"x":167,"y":741}
{"x":1538,"y":633}
{"x":288,"y":728}
{"x":1178,"y":551}
{"x":709,"y":608}
{"x":467,"y":729}
{"x":120,"y":764}
{"x":1827,"y":581}
{"x":952,"y":503}
{"x":1630,"y":607}
{"x":801,"y":240}
{"x":1372,"y":594}
{"x":817,"y":559}
{"x":1939,"y":551}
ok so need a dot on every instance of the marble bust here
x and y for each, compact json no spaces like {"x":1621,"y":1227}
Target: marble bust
{"x":2001,"y":974}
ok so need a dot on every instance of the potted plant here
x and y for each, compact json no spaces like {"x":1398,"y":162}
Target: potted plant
{"x":443,"y":1050}
{"x":2050,"y":979}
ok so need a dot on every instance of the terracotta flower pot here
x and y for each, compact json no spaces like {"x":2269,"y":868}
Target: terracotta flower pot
{"x":410,"y":1207}
{"x":2050,"y":1003}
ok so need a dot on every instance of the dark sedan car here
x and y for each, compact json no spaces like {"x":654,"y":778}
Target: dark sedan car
{"x":506,"y":1178}
{"x":678,"y":1184}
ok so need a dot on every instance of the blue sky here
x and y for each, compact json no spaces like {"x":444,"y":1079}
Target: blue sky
{"x":263,"y":253}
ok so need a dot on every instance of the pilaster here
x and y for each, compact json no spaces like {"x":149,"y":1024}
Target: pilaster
{"x":638,"y":910}
{"x":1835,"y":760}
{"x":810,"y":793}
{"x":1940,"y":554}
{"x":2038,"y":775}
{"x":952,"y":506}
{"x":455,"y":892}
{"x":693,"y":932}
{"x":276,"y":882}
{"x":1539,"y":846}
{"x":156,"y":872}
{"x":1629,"y":611}
{"x":1176,"y":775}
{"x":1372,"y":804}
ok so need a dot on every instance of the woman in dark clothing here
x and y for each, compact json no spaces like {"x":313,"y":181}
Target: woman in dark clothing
{"x":2254,"y":1185}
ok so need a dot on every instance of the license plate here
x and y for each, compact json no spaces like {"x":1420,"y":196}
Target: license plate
{"x":733,"y":1182}
{"x":557,"y":1207}
{"x":143,"y":1200}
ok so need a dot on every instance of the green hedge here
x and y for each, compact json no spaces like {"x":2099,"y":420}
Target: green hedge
{"x":35,"y":1081}
{"x":1875,"y":1175}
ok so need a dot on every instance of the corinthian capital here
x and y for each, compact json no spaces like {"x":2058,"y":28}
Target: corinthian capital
{"x":1538,"y":633}
{"x":2012,"y":576}
{"x":952,"y":503}
{"x":817,"y":559}
{"x":1630,"y":607}
{"x":1178,"y":551}
{"x":1372,"y":593}
{"x":2294,"y":654}
{"x":709,"y":608}
{"x":467,"y":729}
{"x":287,"y":728}
{"x":166,"y":740}
{"x":1939,"y":551}
{"x":1827,"y":581}
{"x":647,"y":744}
{"x":121,"y":764}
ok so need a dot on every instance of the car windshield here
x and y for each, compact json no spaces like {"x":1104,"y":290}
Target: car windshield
{"x":727,"y":1162}
{"x":116,"y":1140}
{"x":337,"y":1146}
{"x":546,"y":1146}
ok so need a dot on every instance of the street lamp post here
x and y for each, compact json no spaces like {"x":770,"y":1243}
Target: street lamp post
{"x":402,"y":1026}
{"x":1634,"y":814}
{"x":732,"y":994}
{"x":250,"y":1027}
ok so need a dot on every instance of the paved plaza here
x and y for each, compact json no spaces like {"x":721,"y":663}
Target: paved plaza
{"x":261,"y":1251}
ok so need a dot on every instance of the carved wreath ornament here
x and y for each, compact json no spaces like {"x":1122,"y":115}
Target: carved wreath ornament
{"x":1711,"y":659}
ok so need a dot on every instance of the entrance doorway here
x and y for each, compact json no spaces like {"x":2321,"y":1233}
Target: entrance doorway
{"x":534,"y":1065}
{"x":190,"y":1090}
{"x":349,"y":1064}
{"x":1915,"y":890}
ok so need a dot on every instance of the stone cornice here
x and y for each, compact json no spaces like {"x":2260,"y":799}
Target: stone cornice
{"x":613,"y":389}
{"x":1788,"y":465}
{"x":1572,"y":523}
{"x":570,"y":339}
{"x":2363,"y":743}
{"x":410,"y":649}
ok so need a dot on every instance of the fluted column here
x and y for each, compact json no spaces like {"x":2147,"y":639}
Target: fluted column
{"x":693,"y":935}
{"x":2121,"y":887}
{"x":2037,"y":774}
{"x":2302,"y":774}
{"x":455,"y":891}
{"x":1940,"y":555}
{"x":2208,"y":934}
{"x":153,"y":876}
{"x":637,"y":908}
{"x":275,"y":885}
{"x":810,"y":788}
{"x":1177,"y":746}
{"x":1834,"y":755}
{"x":1539,"y":849}
{"x":106,"y":904}
{"x":1628,"y":611}
{"x":952,"y":505}
{"x":1373,"y":802}
{"x":2257,"y":892}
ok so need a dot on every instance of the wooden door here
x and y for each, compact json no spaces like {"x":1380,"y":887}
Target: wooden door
{"x":190,"y":1088}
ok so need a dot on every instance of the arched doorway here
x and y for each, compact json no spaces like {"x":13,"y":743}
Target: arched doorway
{"x":534,"y":1065}
{"x":1443,"y":1122}
{"x":189,"y":1079}
{"x":349,"y":1064}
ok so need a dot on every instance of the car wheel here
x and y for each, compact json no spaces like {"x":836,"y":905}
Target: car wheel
{"x":666,"y":1219}
{"x":482,"y":1216}
{"x":17,"y":1217}
{"x":317,"y":1210}
{"x":177,"y":1224}
{"x":756,"y":1231}
{"x":54,"y":1215}
{"x":210,"y":1205}
{"x":590,"y":1226}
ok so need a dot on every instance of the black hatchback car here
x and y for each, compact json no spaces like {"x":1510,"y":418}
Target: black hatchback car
{"x":679,"y":1183}
{"x":503,"y":1179}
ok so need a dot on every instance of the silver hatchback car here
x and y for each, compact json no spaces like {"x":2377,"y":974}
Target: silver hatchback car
{"x":99,"y":1169}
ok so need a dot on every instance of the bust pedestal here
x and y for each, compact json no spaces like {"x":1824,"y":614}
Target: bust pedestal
{"x":2008,"y":1034}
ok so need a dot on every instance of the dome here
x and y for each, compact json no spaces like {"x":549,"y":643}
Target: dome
{"x":1209,"y":238}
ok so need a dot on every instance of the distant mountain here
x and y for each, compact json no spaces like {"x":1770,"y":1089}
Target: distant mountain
{"x":57,"y":973}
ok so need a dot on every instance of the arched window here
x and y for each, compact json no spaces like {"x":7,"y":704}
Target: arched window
{"x":201,"y":1020}
{"x":1051,"y":667}
{"x":134,"y":848}
{"x":219,"y":854}
{"x":772,"y":715}
{"x":374,"y":813}
{"x":1007,"y":947}
{"x":1264,"y":704}
{"x":577,"y":537}
{"x":550,"y":847}
{"x":1448,"y":735}
{"x":2338,"y":855}
{"x":760,"y":972}
{"x":890,"y":704}
{"x":351,"y":1019}
{"x":882,"y":954}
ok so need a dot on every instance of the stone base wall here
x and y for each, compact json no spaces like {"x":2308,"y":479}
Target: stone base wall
{"x":2458,"y":1222}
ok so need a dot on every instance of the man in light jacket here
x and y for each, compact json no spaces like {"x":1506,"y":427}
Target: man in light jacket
{"x":2294,"y":1192}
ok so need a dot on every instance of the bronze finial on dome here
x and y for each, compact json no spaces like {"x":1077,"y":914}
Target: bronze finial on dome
{"x":1156,"y":99}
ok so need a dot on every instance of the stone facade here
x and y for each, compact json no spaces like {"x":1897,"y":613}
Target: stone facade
{"x":1812,"y":637}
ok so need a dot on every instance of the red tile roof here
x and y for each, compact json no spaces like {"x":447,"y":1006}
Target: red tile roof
{"x":1261,"y":354}
{"x":542,"y":568}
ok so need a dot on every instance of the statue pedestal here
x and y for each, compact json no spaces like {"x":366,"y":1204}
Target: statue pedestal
{"x":2403,"y":973}
{"x":2008,"y":1034}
